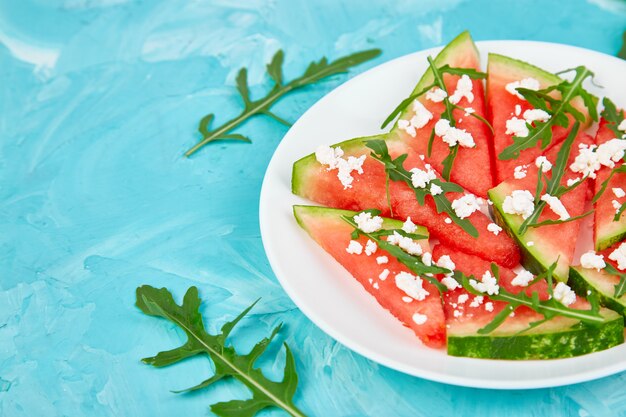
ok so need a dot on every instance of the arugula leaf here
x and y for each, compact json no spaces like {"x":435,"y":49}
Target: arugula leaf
{"x":316,"y":71}
{"x":228,"y":363}
{"x":605,"y":183}
{"x":558,"y":110}
{"x":620,"y":287}
{"x":612,"y":116}
{"x":619,"y":212}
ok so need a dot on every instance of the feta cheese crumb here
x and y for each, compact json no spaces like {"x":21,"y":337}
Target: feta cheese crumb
{"x":534,"y":115}
{"x":591,"y":260}
{"x":420,"y":118}
{"x":435,"y":189}
{"x":332,"y":157}
{"x":619,"y":256}
{"x":370,"y":247}
{"x":462,"y":298}
{"x":464,"y":206}
{"x":367,"y":223}
{"x":522,"y":279}
{"x":411,"y":285}
{"x":518,"y":109}
{"x":446,"y":262}
{"x":457,"y":313}
{"x":517,"y":127}
{"x":530,"y":243}
{"x":463,"y":89}
{"x":382,"y":260}
{"x":354,"y":248}
{"x":409,"y":226}
{"x":494,"y":228}
{"x":419,"y":319}
{"x":586,"y":162}
{"x":376,"y":286}
{"x":469,"y":110}
{"x":326,"y":155}
{"x":427,"y":258}
{"x":406,"y":299}
{"x":520,"y":172}
{"x":450,"y":283}
{"x":611,"y":152}
{"x":420,"y":178}
{"x":383,"y":275}
{"x":572,"y":181}
{"x":619,"y":192}
{"x":452,"y":135}
{"x":528,"y":83}
{"x":556,"y":206}
{"x":489,"y":306}
{"x":488,"y":284}
{"x":405,"y":243}
{"x":564,"y":294}
{"x":543,"y":162}
{"x":447,"y":220}
{"x":520,"y":202}
{"x":436,"y":95}
{"x":616,"y":205}
{"x":477,"y":301}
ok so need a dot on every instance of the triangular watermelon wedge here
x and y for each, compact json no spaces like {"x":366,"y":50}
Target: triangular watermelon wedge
{"x":314,"y":181}
{"x":333,"y":234}
{"x":460,"y":53}
{"x":559,"y":337}
{"x":503,"y":105}
{"x":544,"y":245}
{"x":606,"y":230}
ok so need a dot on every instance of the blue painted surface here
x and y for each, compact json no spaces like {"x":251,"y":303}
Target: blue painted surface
{"x":99,"y":99}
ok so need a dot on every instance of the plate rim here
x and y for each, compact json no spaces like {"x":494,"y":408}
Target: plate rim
{"x":364,"y":351}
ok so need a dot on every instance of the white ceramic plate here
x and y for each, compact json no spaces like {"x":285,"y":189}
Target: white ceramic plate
{"x":336,"y":302}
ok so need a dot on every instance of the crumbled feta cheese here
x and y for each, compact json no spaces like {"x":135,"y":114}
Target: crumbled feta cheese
{"x":370,"y":280}
{"x":462,"y":298}
{"x":383,"y":275}
{"x":469,"y":110}
{"x":332,"y":157}
{"x":354,"y":248}
{"x":477,"y":301}
{"x":457,"y":313}
{"x":586,"y":162}
{"x":572,"y":181}
{"x":543,"y":162}
{"x":494,"y":228}
{"x":564,"y":294}
{"x":435,"y":189}
{"x":464,"y":206}
{"x":326,"y":155}
{"x":446,"y":262}
{"x":382,"y":260}
{"x":534,"y":115}
{"x":520,"y":172}
{"x":520,"y":202}
{"x":517,"y":127}
{"x":591,"y":260}
{"x":616,"y":205}
{"x":518,"y":109}
{"x":422,"y":115}
{"x":376,"y":286}
{"x":463,"y":89}
{"x":611,"y":152}
{"x":406,"y":299}
{"x":447,"y":220}
{"x":619,"y":256}
{"x":436,"y":95}
{"x":427,"y":258}
{"x":619,"y":192}
{"x":419,"y":319}
{"x":368,"y":224}
{"x":370,"y":247}
{"x":522,"y":279}
{"x":452,"y":135}
{"x":528,"y":83}
{"x":489,"y":306}
{"x":405,"y":243}
{"x":488,"y":284}
{"x":530,"y":243}
{"x":420,"y":178}
{"x":411,"y":285}
{"x":409,"y":226}
{"x":450,"y":283}
{"x":442,"y":126}
{"x":556,"y":206}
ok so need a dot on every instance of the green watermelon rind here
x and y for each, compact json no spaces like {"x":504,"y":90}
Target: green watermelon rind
{"x":583,"y":280}
{"x":555,"y":343}
{"x":531,"y":256}
{"x":608,"y":240}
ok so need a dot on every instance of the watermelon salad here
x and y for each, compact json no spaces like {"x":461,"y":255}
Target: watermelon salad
{"x":489,"y":220}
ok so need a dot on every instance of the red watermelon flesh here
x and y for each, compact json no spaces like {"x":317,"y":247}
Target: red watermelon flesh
{"x":327,"y":228}
{"x":501,"y":106}
{"x":460,"y":53}
{"x":313,"y":181}
{"x":607,"y":231}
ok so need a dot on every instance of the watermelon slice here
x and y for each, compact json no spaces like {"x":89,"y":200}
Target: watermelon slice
{"x":332,"y":233}
{"x":606,"y":231}
{"x":501,"y":106}
{"x":460,"y":53}
{"x":313,"y":181}
{"x":544,"y":245}
{"x":559,"y":337}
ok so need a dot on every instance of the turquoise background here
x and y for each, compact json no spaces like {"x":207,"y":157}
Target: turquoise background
{"x":98,"y":101}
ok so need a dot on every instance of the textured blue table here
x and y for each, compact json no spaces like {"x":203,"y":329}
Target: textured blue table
{"x":98,"y":100}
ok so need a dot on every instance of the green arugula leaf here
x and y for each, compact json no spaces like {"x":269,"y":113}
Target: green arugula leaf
{"x":316,"y":71}
{"x":620,"y":287}
{"x":541,"y":132}
{"x":605,"y":183}
{"x":612,"y":116}
{"x":228,"y":363}
{"x":619,"y":212}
